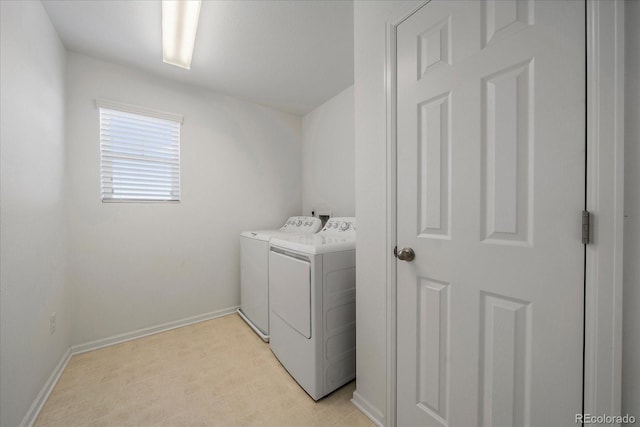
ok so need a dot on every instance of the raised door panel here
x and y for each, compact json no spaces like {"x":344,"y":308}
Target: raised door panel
{"x":507,"y":156}
{"x":434,"y":146}
{"x":433,"y":349}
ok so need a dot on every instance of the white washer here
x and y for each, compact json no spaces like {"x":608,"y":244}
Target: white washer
{"x":312,"y":295}
{"x":254,"y":270}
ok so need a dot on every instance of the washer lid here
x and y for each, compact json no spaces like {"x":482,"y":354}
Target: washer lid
{"x":263,"y":234}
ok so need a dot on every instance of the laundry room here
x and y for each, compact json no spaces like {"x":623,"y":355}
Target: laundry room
{"x":220,"y":237}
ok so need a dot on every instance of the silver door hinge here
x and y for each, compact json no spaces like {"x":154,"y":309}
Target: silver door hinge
{"x":586,"y":227}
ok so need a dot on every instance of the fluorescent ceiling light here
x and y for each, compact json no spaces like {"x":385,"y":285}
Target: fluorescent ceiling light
{"x":179,"y":25}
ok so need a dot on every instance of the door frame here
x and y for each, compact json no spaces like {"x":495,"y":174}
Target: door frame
{"x":602,"y":362}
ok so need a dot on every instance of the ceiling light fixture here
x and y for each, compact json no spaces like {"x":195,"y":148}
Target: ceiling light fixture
{"x":179,"y":26}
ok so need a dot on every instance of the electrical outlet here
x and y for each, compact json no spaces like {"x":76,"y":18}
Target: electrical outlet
{"x":52,"y":323}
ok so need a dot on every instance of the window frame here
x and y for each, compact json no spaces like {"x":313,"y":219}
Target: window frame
{"x":120,"y":107}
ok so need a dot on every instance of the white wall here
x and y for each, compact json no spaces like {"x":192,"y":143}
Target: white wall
{"x":631,"y":309}
{"x":370,"y":18}
{"x":136,"y":265}
{"x":328,"y":177}
{"x":32,"y":232}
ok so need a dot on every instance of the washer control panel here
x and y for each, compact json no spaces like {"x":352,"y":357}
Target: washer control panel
{"x":302,"y":224}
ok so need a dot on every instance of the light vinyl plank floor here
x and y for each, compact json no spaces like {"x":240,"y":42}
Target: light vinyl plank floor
{"x":213,"y":373}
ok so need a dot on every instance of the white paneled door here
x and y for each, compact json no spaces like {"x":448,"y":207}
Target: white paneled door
{"x":491,"y":183}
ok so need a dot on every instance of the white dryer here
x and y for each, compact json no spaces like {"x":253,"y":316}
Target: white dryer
{"x":312,"y":295}
{"x":254,"y":270}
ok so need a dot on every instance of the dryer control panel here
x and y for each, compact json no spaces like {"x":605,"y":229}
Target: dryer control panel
{"x":340,"y":225}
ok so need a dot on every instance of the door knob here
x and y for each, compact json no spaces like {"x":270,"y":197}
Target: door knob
{"x":406,"y":254}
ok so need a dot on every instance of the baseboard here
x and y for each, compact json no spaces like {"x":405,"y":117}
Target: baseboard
{"x":128,"y":336}
{"x":368,"y":409}
{"x":33,"y":412}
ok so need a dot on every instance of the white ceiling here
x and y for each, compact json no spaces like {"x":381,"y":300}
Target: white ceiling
{"x":291,"y":54}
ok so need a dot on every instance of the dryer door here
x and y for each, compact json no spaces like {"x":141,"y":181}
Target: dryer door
{"x":290,"y":291}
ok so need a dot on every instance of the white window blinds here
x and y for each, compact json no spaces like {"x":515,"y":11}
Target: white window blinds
{"x":139,"y":157}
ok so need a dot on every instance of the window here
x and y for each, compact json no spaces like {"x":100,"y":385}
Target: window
{"x":139,"y":154}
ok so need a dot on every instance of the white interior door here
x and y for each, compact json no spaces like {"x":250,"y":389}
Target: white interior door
{"x":491,"y":180}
